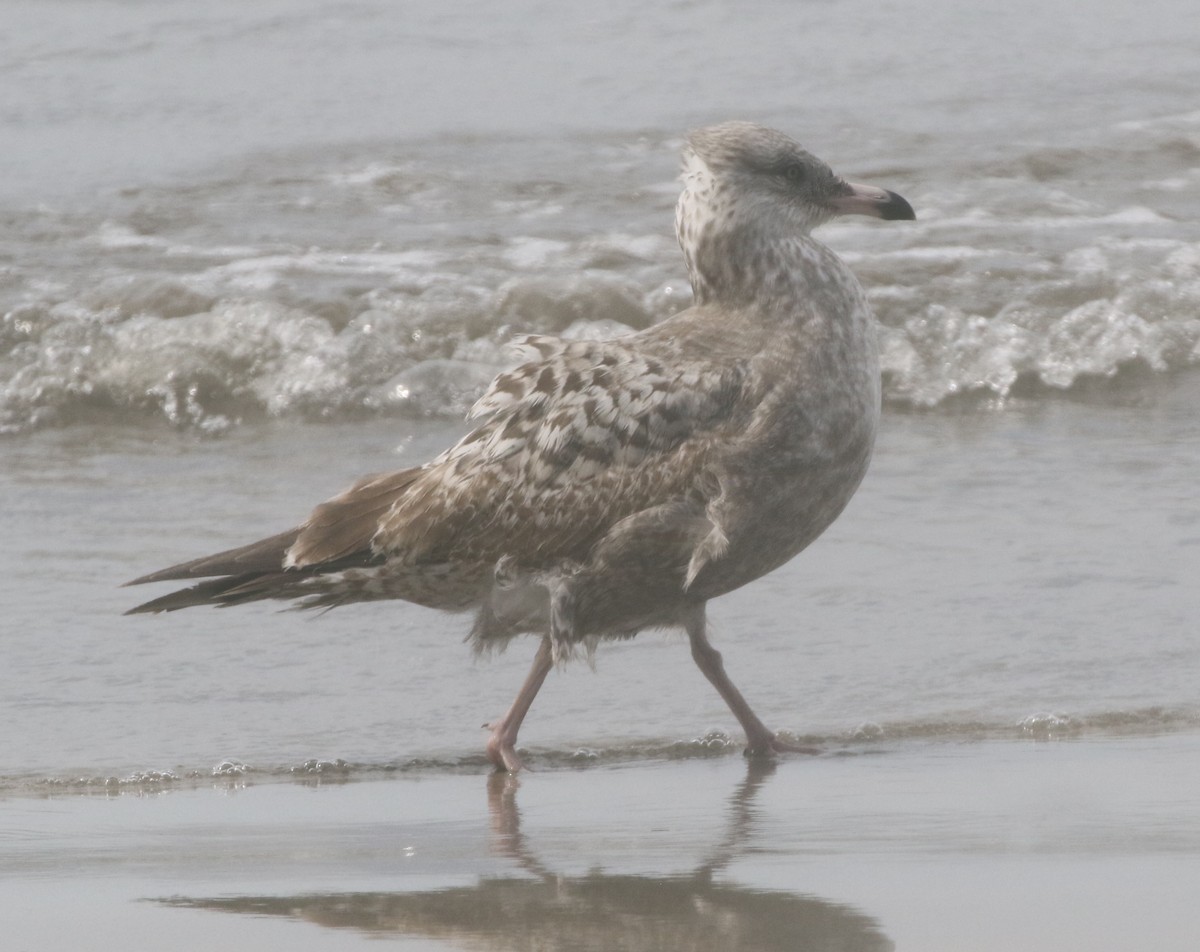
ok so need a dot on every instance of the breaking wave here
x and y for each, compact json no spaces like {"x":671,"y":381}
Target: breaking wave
{"x":359,"y":286}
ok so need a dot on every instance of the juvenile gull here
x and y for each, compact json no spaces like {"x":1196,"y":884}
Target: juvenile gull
{"x":619,"y":485}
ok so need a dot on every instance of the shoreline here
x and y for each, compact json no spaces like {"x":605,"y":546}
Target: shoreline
{"x":935,"y":846}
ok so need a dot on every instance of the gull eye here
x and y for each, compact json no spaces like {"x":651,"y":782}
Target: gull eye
{"x":796,"y":174}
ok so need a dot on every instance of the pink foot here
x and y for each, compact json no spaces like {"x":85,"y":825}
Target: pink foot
{"x":501,"y":750}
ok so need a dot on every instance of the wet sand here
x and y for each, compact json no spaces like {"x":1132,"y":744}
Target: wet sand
{"x":935,"y":846}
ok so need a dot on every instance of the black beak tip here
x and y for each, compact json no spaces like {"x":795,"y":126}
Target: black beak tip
{"x":896,"y":208}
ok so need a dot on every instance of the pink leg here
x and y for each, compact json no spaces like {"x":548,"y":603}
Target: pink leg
{"x":760,"y":739}
{"x":500,"y":746}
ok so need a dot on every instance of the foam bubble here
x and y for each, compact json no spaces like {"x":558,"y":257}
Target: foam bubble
{"x":387,"y":284}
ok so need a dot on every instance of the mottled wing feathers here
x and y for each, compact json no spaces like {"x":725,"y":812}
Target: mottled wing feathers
{"x":588,"y":434}
{"x":588,"y":405}
{"x":522,"y":383}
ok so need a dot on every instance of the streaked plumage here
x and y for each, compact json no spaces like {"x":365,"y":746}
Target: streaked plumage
{"x":618,"y":485}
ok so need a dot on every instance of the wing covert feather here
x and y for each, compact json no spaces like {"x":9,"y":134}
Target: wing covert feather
{"x":591,"y":432}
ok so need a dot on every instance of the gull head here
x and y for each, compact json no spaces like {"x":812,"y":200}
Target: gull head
{"x":739,"y":171}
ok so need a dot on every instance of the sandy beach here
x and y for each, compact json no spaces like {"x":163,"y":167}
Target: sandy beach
{"x":1032,"y":845}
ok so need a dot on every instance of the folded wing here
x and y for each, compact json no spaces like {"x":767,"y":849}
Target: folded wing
{"x":575,"y":440}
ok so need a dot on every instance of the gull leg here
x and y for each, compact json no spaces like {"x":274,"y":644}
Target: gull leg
{"x":760,"y":739}
{"x":500,"y":746}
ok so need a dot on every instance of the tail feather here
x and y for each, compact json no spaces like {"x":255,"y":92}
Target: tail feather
{"x":234,"y":589}
{"x":337,"y":536}
{"x":260,"y":557}
{"x":206,"y":593}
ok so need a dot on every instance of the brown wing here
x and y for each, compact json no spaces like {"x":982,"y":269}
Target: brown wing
{"x":592,"y":432}
{"x":345,"y":526}
{"x":265,"y":555}
{"x":336,"y":536}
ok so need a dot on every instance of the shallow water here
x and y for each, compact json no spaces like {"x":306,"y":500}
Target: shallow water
{"x":993,"y":846}
{"x":251,"y":252}
{"x":1010,"y":574}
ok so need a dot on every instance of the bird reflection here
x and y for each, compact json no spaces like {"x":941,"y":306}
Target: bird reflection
{"x":544,"y":910}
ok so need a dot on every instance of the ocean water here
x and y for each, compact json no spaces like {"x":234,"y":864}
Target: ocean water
{"x":297,"y":254}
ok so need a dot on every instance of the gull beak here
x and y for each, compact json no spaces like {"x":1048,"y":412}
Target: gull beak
{"x":876,"y":202}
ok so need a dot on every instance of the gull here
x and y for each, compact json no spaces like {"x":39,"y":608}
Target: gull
{"x":613,"y":486}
